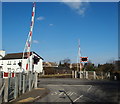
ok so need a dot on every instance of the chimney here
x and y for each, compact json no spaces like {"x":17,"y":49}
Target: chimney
{"x":2,"y":54}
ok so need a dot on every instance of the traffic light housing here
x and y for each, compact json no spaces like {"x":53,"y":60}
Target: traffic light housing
{"x":20,"y":64}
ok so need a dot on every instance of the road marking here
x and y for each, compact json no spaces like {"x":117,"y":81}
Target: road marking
{"x":89,"y":88}
{"x":78,"y":98}
{"x":72,"y":93}
{"x":61,"y":93}
{"x":54,"y":93}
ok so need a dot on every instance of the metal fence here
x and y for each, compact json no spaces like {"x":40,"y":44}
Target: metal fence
{"x":11,"y":88}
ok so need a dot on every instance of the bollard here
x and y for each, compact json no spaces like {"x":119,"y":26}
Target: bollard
{"x":16,"y":88}
{"x":6,"y":90}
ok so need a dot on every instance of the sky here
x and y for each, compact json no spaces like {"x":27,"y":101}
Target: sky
{"x":58,"y":27}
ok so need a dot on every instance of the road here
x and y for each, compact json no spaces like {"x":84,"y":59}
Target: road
{"x":84,"y":91}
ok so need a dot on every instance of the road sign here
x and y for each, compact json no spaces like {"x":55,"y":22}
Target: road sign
{"x":84,"y":59}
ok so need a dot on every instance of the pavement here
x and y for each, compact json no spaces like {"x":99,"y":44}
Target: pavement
{"x":50,"y":91}
{"x":31,"y":96}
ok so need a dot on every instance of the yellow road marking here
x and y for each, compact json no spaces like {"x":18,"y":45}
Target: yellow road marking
{"x":26,"y":100}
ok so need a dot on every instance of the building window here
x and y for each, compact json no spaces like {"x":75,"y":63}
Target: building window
{"x":2,"y":63}
{"x":9,"y":63}
{"x":14,"y":63}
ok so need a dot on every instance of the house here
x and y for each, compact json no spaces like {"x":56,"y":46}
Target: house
{"x":14,"y":62}
{"x":50,"y":64}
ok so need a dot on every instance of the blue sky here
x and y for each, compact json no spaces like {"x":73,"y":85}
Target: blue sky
{"x":58,"y":26}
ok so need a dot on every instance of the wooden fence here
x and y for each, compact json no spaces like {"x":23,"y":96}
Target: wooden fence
{"x":11,"y":88}
{"x":90,"y":75}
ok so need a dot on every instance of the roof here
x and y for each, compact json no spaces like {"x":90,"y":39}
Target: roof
{"x":18,"y":56}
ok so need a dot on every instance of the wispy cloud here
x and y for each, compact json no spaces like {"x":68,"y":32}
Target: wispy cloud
{"x":40,"y":18}
{"x":77,"y":5}
{"x":35,"y":41}
{"x":51,"y":24}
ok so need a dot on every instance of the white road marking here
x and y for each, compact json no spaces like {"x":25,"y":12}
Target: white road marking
{"x":54,"y":93}
{"x":89,"y":88}
{"x":78,"y":98}
{"x":68,"y":93}
{"x":61,"y":93}
{"x":71,"y":94}
{"x":82,"y":95}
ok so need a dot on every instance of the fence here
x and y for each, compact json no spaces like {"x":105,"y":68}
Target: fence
{"x":91,"y":75}
{"x":11,"y":88}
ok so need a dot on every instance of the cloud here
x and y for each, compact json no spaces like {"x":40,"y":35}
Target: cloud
{"x":51,"y":24}
{"x":35,"y":41}
{"x":77,"y":5}
{"x":40,"y":18}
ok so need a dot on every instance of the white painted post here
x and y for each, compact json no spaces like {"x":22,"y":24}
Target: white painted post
{"x":94,"y":74}
{"x":43,"y":72}
{"x":86,"y":74}
{"x":73,"y":74}
{"x":80,"y":74}
{"x":6,"y":90}
{"x":29,"y":81}
{"x":20,"y":82}
{"x":115,"y":78}
{"x":23,"y":84}
{"x":102,"y":74}
{"x":16,"y":88}
{"x":36,"y":79}
{"x":108,"y":75}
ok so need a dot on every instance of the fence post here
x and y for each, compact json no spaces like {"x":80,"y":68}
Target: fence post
{"x":36,"y":79}
{"x":29,"y":81}
{"x":6,"y":90}
{"x":80,"y":74}
{"x":16,"y":88}
{"x":94,"y":74}
{"x":43,"y":72}
{"x":23,"y":84}
{"x":73,"y":74}
{"x":102,"y":75}
{"x":86,"y":74}
{"x":20,"y":82}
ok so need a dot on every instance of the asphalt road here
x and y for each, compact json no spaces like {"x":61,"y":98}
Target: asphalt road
{"x":80,"y":91}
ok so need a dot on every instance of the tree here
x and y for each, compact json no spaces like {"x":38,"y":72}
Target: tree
{"x":65,"y":63}
{"x":89,"y":66}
